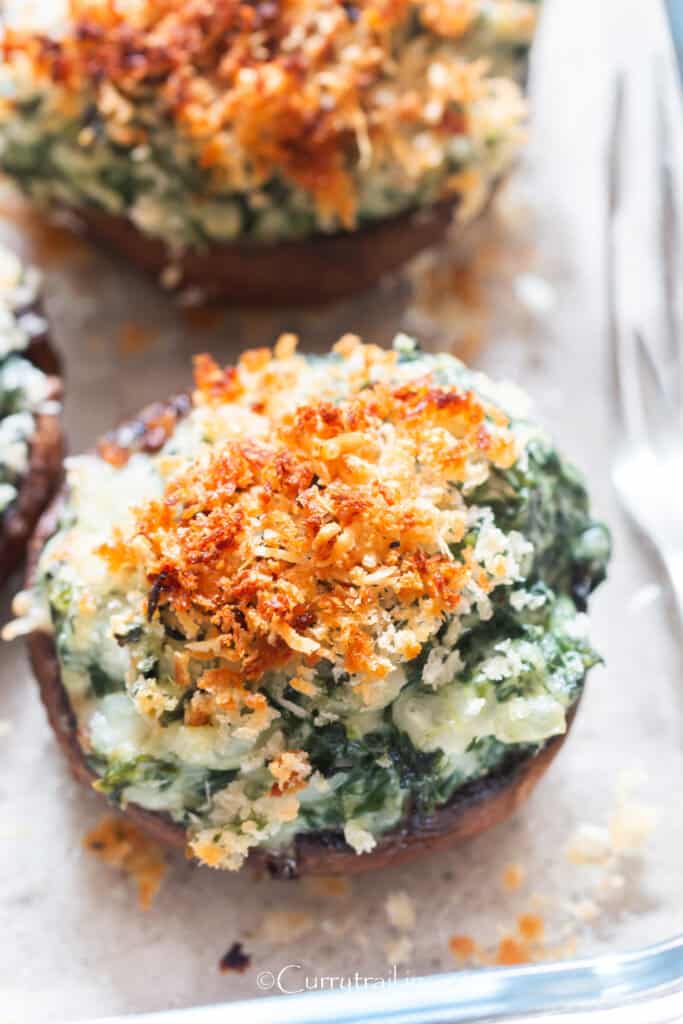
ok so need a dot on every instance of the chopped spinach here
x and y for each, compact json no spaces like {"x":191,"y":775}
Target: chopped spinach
{"x":101,"y":683}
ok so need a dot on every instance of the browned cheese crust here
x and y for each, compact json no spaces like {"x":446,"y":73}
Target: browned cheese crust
{"x":473,"y":808}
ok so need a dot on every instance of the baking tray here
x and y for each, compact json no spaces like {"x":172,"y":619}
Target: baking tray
{"x":522,"y":297}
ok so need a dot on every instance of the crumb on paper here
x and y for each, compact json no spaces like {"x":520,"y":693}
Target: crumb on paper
{"x":134,"y":337}
{"x":171,"y":276}
{"x":630,"y":826}
{"x":589,"y":844}
{"x":599,"y":854}
{"x":5,"y":727}
{"x":530,"y":927}
{"x":400,"y":910}
{"x":513,"y":877}
{"x":235,"y":959}
{"x":511,"y":950}
{"x":284,"y":925}
{"x":122,"y":845}
{"x":399,"y":951}
{"x":463,"y":947}
{"x":584,"y":910}
{"x":522,"y":945}
{"x":336,"y":886}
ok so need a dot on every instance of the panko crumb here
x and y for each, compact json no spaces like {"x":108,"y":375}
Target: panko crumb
{"x":631,"y":826}
{"x":400,"y":910}
{"x":513,"y":877}
{"x":359,"y":838}
{"x":603,"y":850}
{"x":463,"y":948}
{"x":589,"y":844}
{"x":511,"y":951}
{"x":399,"y":951}
{"x":531,"y":927}
{"x":120,"y":844}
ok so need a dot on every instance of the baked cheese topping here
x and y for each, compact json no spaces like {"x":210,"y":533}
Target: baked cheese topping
{"x":336,"y":588}
{"x":266,"y":120}
{"x":24,"y":389}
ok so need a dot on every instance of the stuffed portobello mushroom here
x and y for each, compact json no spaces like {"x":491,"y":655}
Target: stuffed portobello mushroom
{"x":31,"y":446}
{"x":281,"y":152}
{"x":322,"y":613}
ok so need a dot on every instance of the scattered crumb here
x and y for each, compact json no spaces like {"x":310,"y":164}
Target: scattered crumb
{"x":400,"y":910}
{"x":590,"y":844}
{"x":513,"y":877}
{"x":463,"y":947}
{"x":511,"y":951}
{"x":170,"y":276}
{"x":120,"y":844}
{"x":134,"y":338}
{"x":399,"y":951}
{"x":530,"y":927}
{"x":329,"y":885}
{"x":285,"y":925}
{"x":5,"y":727}
{"x":235,"y":959}
{"x":630,"y":826}
{"x":600,"y":853}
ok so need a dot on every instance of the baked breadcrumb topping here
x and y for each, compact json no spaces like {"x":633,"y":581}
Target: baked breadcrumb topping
{"x":317,"y":91}
{"x":330,"y":535}
{"x":316,"y":593}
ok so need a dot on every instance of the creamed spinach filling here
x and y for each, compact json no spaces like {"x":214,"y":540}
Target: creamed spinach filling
{"x":24,"y":388}
{"x":332,"y":118}
{"x":468,"y":666}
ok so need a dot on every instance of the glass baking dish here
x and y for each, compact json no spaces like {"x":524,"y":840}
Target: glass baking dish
{"x":521,"y":296}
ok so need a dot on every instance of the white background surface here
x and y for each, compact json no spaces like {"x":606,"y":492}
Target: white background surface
{"x":73,"y":941}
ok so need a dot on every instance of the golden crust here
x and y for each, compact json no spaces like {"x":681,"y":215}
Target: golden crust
{"x":296,"y":88}
{"x":308,"y":539}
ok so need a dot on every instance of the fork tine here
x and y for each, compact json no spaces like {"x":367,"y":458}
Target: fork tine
{"x":623,"y":353}
{"x":669,"y":222}
{"x":658,"y":407}
{"x":614,"y":199}
{"x":614,"y":145}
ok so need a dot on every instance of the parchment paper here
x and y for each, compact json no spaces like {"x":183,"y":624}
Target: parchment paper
{"x":529,"y":305}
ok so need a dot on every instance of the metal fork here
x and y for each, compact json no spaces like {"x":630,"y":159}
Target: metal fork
{"x":648,"y":469}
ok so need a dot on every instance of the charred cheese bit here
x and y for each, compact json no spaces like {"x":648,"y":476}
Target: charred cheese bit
{"x":121,"y":845}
